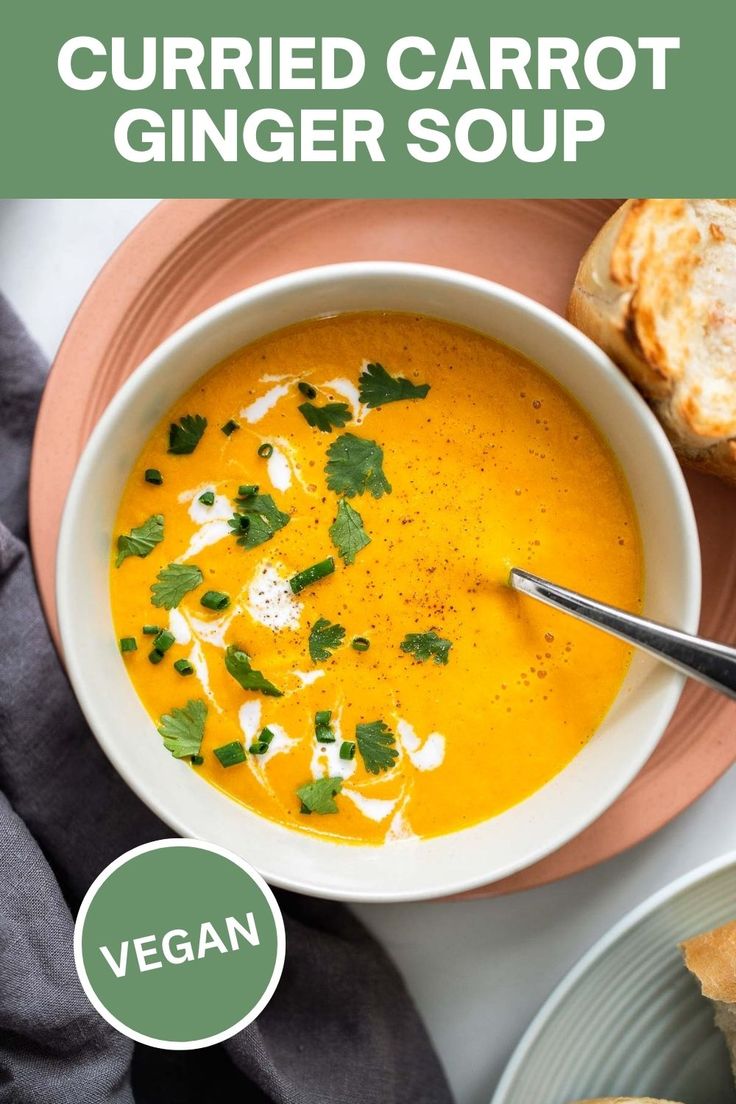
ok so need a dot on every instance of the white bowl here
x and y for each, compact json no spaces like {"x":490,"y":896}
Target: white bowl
{"x":406,"y":869}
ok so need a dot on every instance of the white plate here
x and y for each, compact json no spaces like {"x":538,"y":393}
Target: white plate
{"x":629,"y":1019}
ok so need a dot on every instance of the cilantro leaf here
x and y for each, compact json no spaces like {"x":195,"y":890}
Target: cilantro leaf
{"x":355,"y":465}
{"x":427,"y":645}
{"x":238,"y":665}
{"x":377,"y":387}
{"x":347,"y":532}
{"x":173,"y":582}
{"x":185,"y":435}
{"x":256,"y":520}
{"x":375,"y":740}
{"x":324,"y":637}
{"x":141,"y":540}
{"x":326,"y":417}
{"x":319,"y":796}
{"x":183,"y":729}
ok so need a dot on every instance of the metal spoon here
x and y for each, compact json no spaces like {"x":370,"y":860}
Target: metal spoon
{"x":704,"y":660}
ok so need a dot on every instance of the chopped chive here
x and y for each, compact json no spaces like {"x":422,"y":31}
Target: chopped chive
{"x":266,"y":736}
{"x":163,"y":641}
{"x":207,"y":498}
{"x":258,"y":748}
{"x":151,"y":630}
{"x":311,"y":574}
{"x":229,"y":427}
{"x":347,"y":749}
{"x":231,"y":754}
{"x":215,"y":600}
{"x":128,"y":644}
{"x":155,"y":656}
{"x":153,"y":475}
{"x":361,"y":643}
{"x":308,"y":391}
{"x":245,"y":490}
{"x":322,"y":729}
{"x":197,"y":760}
{"x":265,"y":451}
{"x":184,"y":667}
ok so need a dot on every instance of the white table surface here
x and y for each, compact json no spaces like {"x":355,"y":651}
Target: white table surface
{"x":478,"y":970}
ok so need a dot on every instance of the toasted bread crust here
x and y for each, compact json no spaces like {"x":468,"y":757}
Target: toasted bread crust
{"x":625,"y":1100}
{"x":711,"y":957}
{"x":657,"y":291}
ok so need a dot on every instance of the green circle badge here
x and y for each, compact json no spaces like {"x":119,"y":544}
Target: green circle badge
{"x":179,"y":944}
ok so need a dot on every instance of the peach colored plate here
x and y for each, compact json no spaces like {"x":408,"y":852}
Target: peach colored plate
{"x":187,"y":254}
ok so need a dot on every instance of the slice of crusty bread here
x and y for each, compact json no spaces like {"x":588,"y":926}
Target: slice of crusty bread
{"x":657,"y":291}
{"x":711,"y":957}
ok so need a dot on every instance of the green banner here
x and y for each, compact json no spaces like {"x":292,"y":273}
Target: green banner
{"x":227,"y":98}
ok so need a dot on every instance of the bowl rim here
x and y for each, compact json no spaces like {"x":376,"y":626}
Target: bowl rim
{"x":249,"y":298}
{"x":609,"y":938}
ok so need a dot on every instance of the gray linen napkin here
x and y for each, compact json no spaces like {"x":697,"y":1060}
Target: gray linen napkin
{"x":341,"y":1028}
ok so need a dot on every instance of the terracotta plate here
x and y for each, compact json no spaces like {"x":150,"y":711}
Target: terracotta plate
{"x":187,"y":254}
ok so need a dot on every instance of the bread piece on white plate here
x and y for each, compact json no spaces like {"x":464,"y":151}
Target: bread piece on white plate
{"x":657,"y":291}
{"x":711,"y":957}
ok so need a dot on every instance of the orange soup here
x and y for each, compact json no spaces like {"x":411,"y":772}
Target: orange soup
{"x":309,"y":577}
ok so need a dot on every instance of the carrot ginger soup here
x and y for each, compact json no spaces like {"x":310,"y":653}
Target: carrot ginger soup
{"x":309,"y":577}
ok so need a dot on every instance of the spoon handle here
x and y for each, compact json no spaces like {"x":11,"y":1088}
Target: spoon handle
{"x":705,"y":660}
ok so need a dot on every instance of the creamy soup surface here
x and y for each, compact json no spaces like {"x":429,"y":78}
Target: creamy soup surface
{"x":407,"y":692}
